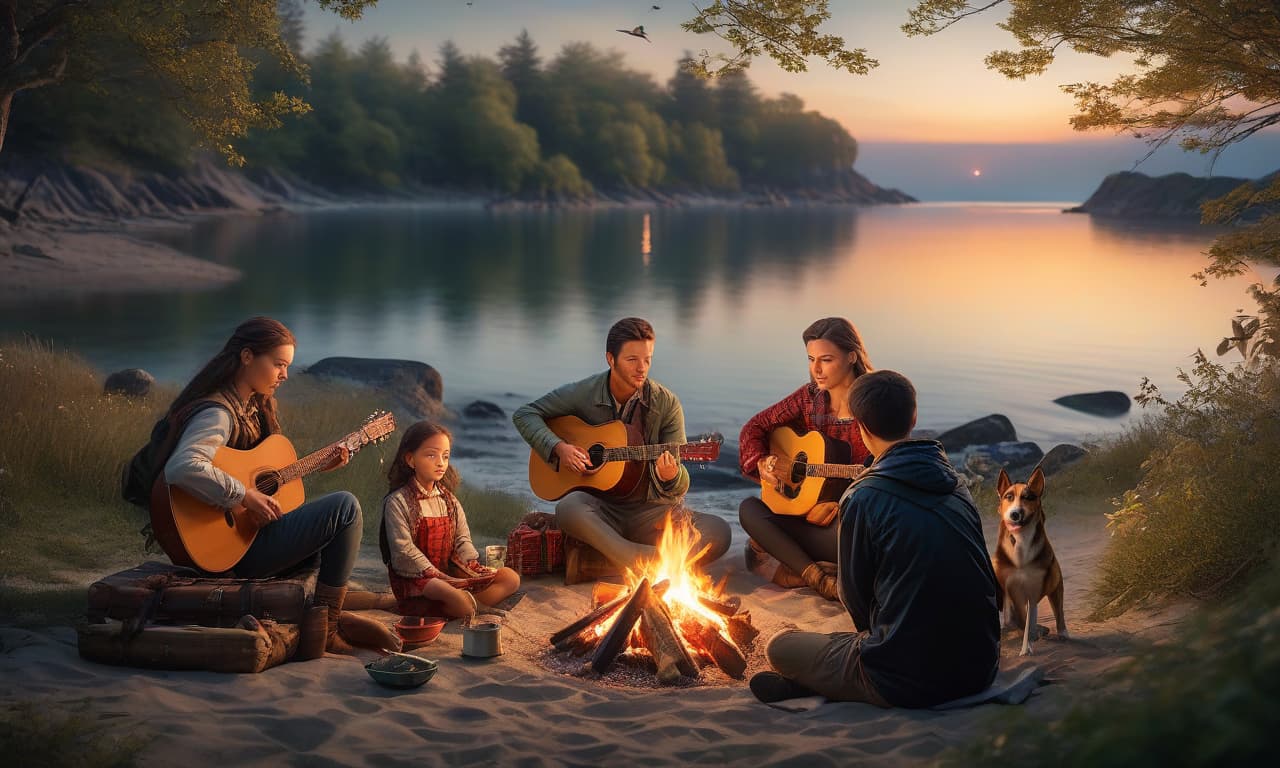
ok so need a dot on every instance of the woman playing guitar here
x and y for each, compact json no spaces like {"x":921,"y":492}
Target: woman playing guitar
{"x":793,"y":551}
{"x":231,"y":402}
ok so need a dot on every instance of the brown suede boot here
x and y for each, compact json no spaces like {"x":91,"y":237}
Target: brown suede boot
{"x":787,"y":578}
{"x":822,"y":577}
{"x":331,"y":598}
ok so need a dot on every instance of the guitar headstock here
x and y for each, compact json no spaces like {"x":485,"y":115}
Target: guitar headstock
{"x":376,"y":428}
{"x":703,"y":448}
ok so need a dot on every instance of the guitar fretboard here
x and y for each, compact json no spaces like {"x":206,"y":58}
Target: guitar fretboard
{"x":847,"y":471}
{"x":641,"y":452}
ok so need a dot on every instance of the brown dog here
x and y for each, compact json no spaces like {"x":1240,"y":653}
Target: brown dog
{"x":1026,"y":569}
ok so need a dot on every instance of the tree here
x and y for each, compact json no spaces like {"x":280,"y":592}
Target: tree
{"x":1207,"y":74}
{"x":195,"y":48}
{"x":785,"y":30}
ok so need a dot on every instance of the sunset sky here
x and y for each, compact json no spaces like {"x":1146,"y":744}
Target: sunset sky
{"x":933,"y":91}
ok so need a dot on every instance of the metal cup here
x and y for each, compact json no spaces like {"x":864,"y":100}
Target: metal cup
{"x":495,"y":555}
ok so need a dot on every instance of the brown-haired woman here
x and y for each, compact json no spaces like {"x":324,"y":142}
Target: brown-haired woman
{"x":231,"y":402}
{"x":425,"y":540}
{"x":792,"y":551}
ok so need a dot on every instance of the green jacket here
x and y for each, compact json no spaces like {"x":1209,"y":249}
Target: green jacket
{"x":591,"y":401}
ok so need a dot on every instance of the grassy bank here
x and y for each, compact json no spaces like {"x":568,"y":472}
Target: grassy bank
{"x":63,"y":443}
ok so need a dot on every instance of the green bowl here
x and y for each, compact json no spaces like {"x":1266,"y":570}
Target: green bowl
{"x":401,"y":671}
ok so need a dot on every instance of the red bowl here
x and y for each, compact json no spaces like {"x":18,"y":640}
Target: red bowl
{"x":420,"y":629}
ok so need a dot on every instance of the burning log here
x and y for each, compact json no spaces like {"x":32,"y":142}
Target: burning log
{"x":605,"y":591}
{"x":590,"y":620}
{"x":663,"y":641}
{"x":726,"y":607}
{"x":716,"y":644}
{"x":741,"y":630}
{"x":616,"y":639}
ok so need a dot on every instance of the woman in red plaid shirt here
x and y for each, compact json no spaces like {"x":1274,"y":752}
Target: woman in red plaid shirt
{"x":794,"y":551}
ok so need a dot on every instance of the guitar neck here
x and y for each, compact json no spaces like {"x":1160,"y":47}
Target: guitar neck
{"x":640,"y":452}
{"x":847,"y":471}
{"x":312,"y":462}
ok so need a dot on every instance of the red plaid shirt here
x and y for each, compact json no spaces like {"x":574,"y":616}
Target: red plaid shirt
{"x":805,"y":410}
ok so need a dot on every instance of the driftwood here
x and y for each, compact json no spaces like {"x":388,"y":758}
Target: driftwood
{"x":591,"y":619}
{"x":585,"y":638}
{"x":615,"y":640}
{"x":664,"y":642}
{"x":719,"y":646}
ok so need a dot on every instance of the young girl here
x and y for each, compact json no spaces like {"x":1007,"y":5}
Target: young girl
{"x":425,"y":541}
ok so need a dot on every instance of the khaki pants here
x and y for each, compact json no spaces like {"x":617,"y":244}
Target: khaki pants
{"x":627,"y":532}
{"x":826,"y":664}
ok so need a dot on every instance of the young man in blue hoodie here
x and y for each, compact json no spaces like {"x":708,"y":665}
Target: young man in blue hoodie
{"x":914,"y":574}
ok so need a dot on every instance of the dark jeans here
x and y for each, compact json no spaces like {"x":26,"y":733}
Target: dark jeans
{"x":330,"y":525}
{"x":795,"y":542}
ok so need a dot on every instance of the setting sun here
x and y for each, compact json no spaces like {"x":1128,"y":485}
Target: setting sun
{"x":977,"y":171}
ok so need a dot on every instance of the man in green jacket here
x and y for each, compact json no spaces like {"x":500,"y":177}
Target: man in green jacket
{"x":624,"y":529}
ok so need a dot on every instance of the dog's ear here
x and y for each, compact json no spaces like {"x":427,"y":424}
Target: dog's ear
{"x":1003,"y":483}
{"x":1036,"y":483}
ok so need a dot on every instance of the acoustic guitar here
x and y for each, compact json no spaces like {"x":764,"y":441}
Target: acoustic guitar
{"x":811,"y":468}
{"x":193,"y":533}
{"x":618,"y":456}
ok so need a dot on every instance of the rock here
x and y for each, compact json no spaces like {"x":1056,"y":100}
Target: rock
{"x":1060,"y":457}
{"x":988,"y":460}
{"x":483,"y":409}
{"x":1109,"y":403}
{"x":131,"y":382}
{"x":416,"y":386}
{"x":995,"y":428}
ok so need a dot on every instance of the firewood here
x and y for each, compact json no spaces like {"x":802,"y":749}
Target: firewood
{"x":616,"y":639}
{"x":726,"y":607}
{"x":741,"y":630}
{"x":595,"y":617}
{"x":663,"y":641}
{"x":719,"y":646}
{"x":605,"y":591}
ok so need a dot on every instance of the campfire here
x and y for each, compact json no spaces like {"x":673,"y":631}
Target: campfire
{"x":667,"y":610}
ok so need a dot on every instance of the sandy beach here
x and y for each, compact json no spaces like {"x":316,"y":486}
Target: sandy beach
{"x":514,"y":710}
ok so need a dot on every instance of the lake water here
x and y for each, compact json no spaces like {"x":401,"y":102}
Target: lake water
{"x":988,"y":308}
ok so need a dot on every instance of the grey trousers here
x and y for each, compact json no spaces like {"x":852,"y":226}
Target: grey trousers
{"x":627,"y":532}
{"x":331,"y":525}
{"x":825,"y":664}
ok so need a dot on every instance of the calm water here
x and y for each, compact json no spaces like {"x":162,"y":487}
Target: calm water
{"x":987,"y":308}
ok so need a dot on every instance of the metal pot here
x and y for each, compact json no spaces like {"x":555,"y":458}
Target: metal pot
{"x":482,"y":641}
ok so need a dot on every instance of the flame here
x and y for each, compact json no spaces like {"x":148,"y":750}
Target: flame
{"x":674,"y":562}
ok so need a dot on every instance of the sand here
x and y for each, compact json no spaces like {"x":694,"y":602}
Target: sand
{"x":513,"y":710}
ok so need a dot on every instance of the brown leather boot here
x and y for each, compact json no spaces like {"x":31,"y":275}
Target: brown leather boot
{"x":348,"y":629}
{"x":822,"y":577}
{"x":787,"y":578}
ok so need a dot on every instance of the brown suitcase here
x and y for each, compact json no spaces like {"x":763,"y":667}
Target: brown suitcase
{"x":252,"y":646}
{"x":169,"y":594}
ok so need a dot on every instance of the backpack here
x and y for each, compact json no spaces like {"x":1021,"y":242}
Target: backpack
{"x":141,"y":471}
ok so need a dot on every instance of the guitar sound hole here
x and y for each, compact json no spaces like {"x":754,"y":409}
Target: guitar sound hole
{"x":798,"y":467}
{"x":267,"y":482}
{"x":596,"y":454}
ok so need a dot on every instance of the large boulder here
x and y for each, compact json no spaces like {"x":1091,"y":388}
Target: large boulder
{"x":987,"y":430}
{"x":417,"y":387}
{"x":1108,"y":403}
{"x":131,"y":382}
{"x":988,"y":460}
{"x":483,"y":409}
{"x":1060,"y":457}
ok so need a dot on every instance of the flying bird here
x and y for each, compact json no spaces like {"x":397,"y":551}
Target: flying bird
{"x":657,"y":7}
{"x":637,"y":32}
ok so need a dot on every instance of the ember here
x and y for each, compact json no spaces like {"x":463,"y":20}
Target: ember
{"x":669,"y":610}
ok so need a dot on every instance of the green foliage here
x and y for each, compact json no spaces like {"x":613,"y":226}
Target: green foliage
{"x":1204,"y":514}
{"x":785,"y":30}
{"x":63,"y":735}
{"x":1210,"y":697}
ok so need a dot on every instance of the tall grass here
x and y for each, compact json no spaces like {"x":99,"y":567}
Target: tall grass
{"x":1205,"y":512}
{"x":1211,"y":697}
{"x":31,"y":736}
{"x":63,"y":444}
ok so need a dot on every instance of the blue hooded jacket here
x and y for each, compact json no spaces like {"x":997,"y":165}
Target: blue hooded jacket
{"x":917,"y":580}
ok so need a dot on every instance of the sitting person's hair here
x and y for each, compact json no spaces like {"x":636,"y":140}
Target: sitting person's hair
{"x":627,"y":329}
{"x":885,"y":403}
